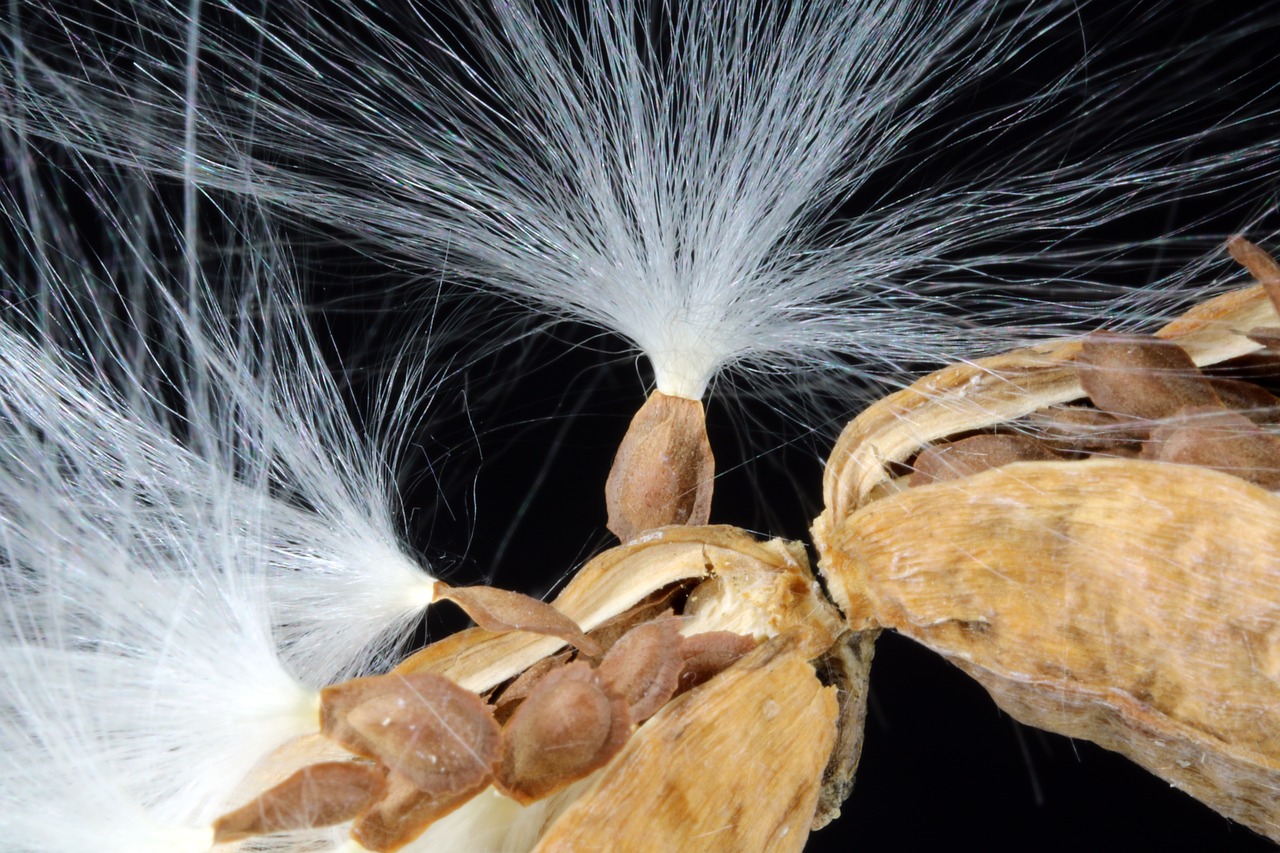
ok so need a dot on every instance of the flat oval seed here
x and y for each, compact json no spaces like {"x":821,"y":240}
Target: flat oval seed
{"x":503,"y":610}
{"x":975,"y":454}
{"x":320,"y":795}
{"x":1141,"y":377}
{"x":664,"y":471}
{"x":644,"y":666}
{"x":707,"y":655}
{"x":567,"y":728}
{"x":442,"y":738}
{"x":1224,"y":441}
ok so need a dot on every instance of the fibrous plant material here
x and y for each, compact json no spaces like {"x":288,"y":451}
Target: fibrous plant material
{"x":767,"y":724}
{"x":1134,"y":602}
{"x":1129,"y":603}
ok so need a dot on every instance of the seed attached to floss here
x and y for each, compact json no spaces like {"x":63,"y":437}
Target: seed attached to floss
{"x":664,"y":470}
{"x":502,"y":610}
{"x":440,"y":737}
{"x":320,"y":795}
{"x":1130,"y":602}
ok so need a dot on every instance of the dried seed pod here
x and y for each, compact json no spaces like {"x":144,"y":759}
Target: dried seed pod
{"x":664,"y":471}
{"x":974,"y":454}
{"x":502,"y":610}
{"x":774,"y":575}
{"x":319,"y":795}
{"x":568,"y":727}
{"x":766,"y":724}
{"x":644,"y":667}
{"x":1131,"y":603}
{"x":554,"y":736}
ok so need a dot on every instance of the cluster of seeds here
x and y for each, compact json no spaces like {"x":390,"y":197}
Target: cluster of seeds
{"x":1149,"y":401}
{"x":425,"y":745}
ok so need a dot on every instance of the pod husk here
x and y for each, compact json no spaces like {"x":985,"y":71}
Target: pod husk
{"x":734,"y":766}
{"x":1130,"y":603}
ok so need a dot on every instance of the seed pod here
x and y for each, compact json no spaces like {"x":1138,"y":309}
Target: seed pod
{"x":1134,"y":603}
{"x":991,"y":391}
{"x":771,"y":582}
{"x":1130,"y":603}
{"x":743,"y":716}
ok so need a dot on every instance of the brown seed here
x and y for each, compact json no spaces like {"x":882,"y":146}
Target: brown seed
{"x":1249,"y":399}
{"x":1083,"y":428}
{"x":664,"y":471}
{"x":319,"y":795}
{"x":644,"y":666}
{"x":518,"y":690}
{"x":431,"y":731}
{"x":1141,"y":377}
{"x":404,"y":814}
{"x":566,"y":728}
{"x":707,"y":655}
{"x":977,"y":453}
{"x":403,"y":720}
{"x":503,"y":610}
{"x":1224,"y":441}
